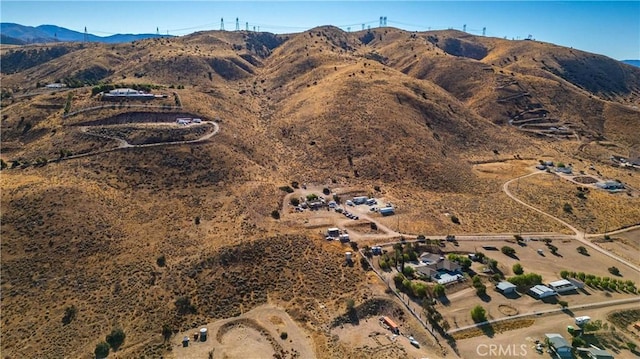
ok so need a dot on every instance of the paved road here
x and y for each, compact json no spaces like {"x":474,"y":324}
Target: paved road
{"x":609,"y":303}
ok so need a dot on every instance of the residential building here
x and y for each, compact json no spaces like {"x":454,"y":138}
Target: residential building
{"x":505,"y":287}
{"x":541,"y":291}
{"x":559,"y":346}
{"x":562,"y":286}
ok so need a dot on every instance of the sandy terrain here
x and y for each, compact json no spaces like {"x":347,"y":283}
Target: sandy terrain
{"x":257,"y":336}
{"x":521,"y":342}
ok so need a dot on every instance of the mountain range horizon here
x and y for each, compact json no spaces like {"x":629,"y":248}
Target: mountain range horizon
{"x":17,"y":34}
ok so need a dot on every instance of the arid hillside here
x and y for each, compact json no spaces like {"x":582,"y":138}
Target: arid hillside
{"x":115,"y":210}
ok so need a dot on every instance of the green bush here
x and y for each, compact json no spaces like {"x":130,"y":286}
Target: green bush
{"x":69,"y":314}
{"x":478,"y":314}
{"x":116,"y":338}
{"x":438,"y":290}
{"x":614,"y":271}
{"x":582,"y":250}
{"x":102,"y":350}
{"x":161,"y":261}
{"x":284,"y":335}
{"x":517,"y":269}
{"x":508,"y":250}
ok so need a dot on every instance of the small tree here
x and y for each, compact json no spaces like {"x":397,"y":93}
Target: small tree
{"x":275,"y":214}
{"x":563,"y":303}
{"x":102,"y":350}
{"x":284,"y":335}
{"x":408,"y":271}
{"x":326,"y":191}
{"x":197,"y":220}
{"x":69,"y":314}
{"x":161,"y":261}
{"x":517,"y":269}
{"x":167,"y":332}
{"x":116,"y":338}
{"x":564,"y":274}
{"x":455,"y":219}
{"x":578,"y":342}
{"x":478,"y":314}
{"x":632,"y":346}
{"x":582,"y":250}
{"x":183,"y":304}
{"x":567,"y":208}
{"x":614,"y":271}
{"x":294,"y":201}
{"x":438,"y":290}
{"x":508,"y":251}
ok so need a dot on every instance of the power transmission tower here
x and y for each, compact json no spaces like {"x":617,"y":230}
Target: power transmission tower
{"x":237,"y":25}
{"x":348,"y":29}
{"x":380,"y":22}
{"x":484,"y":31}
{"x":384,"y":21}
{"x":247,"y":25}
{"x":362,"y":26}
{"x":254,"y":29}
{"x":86,"y":36}
{"x":221,"y":24}
{"x":157,"y":31}
{"x":464,"y":28}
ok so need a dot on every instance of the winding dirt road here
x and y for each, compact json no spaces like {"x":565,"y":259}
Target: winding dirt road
{"x":122,"y":144}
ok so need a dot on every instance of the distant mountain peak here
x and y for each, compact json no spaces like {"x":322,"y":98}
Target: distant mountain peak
{"x":54,"y":33}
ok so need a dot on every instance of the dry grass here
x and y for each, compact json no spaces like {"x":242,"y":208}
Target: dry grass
{"x":322,"y":108}
{"x":500,"y":327}
{"x":601,"y":211}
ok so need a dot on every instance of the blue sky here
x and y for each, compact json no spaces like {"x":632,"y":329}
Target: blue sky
{"x":611,"y":28}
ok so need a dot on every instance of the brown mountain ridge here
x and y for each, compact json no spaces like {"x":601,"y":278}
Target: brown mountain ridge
{"x":408,"y":113}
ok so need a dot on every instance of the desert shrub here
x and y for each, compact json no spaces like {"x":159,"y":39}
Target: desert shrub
{"x":567,"y":208}
{"x":376,"y":188}
{"x":312,"y":197}
{"x":563,"y":303}
{"x":408,"y":271}
{"x":286,"y":189}
{"x":284,"y":335}
{"x":582,"y":250}
{"x":184,"y":306}
{"x":614,"y":270}
{"x":197,"y":220}
{"x":161,"y":261}
{"x":384,"y":265}
{"x":70,"y":313}
{"x":295,"y":184}
{"x":3,"y":164}
{"x":167,"y":332}
{"x":455,"y":219}
{"x":517,"y":269}
{"x":478,"y":314}
{"x":102,"y":350}
{"x":374,"y":226}
{"x":364,"y":263}
{"x":275,"y":214}
{"x":116,"y":338}
{"x":294,"y":201}
{"x":632,"y":346}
